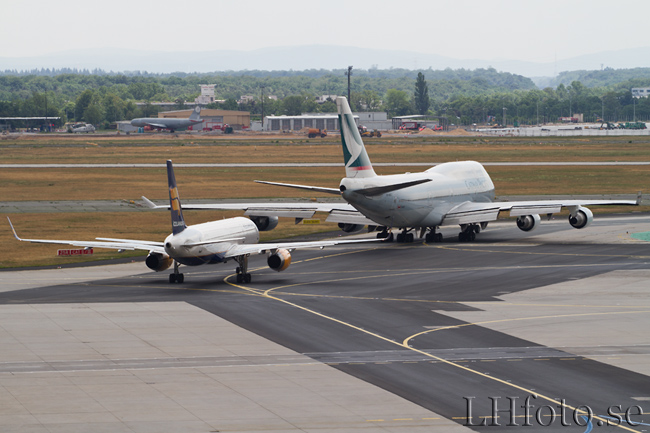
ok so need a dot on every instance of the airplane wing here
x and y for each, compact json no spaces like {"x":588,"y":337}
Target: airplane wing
{"x":109,"y":243}
{"x":242,"y":249}
{"x":157,"y":125}
{"x":307,"y":187}
{"x":337,"y":212}
{"x":472,"y":212}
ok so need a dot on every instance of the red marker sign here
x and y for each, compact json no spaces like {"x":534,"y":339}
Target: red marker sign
{"x":78,"y":252}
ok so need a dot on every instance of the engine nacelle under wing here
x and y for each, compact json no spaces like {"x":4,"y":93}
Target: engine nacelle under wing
{"x":351,"y":228}
{"x":581,"y":217}
{"x":279,"y":260}
{"x":158,"y":262}
{"x":265,"y":223}
{"x":528,"y":222}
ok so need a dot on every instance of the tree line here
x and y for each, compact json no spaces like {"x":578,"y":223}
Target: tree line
{"x":465,"y":97}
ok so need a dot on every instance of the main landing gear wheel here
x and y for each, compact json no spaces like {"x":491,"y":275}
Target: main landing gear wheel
{"x":242,"y":270}
{"x":243,"y":278}
{"x":388,"y":236}
{"x":469,"y":233}
{"x":176,"y":277}
{"x":433,"y":237}
{"x":405,"y":237}
{"x":466,"y":236}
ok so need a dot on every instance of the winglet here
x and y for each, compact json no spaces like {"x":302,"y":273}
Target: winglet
{"x":149,"y":203}
{"x":13,"y":229}
{"x":178,"y":222}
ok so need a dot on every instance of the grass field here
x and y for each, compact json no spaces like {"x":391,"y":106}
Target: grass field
{"x":230,"y":183}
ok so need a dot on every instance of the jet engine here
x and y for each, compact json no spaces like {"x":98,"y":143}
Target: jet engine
{"x":351,"y":228}
{"x":265,"y":223}
{"x":581,"y":218}
{"x":528,"y":222}
{"x":279,"y":260}
{"x":158,"y":261}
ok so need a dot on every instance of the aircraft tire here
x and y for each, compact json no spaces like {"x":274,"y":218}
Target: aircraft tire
{"x":172,"y":278}
{"x":247,"y":278}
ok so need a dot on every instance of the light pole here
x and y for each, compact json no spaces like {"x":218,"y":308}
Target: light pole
{"x":349,"y":74}
{"x":262,"y":108}
{"x":504,"y":117}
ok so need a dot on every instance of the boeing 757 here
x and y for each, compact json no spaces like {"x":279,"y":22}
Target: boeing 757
{"x":453,"y":193}
{"x":171,"y":124}
{"x":207,"y":243}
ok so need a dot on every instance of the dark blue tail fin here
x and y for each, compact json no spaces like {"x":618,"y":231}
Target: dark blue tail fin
{"x":178,"y":223}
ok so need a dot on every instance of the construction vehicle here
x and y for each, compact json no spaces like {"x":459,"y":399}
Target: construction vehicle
{"x":315,"y":132}
{"x":364,"y":132}
{"x":632,"y":125}
{"x":608,"y":125}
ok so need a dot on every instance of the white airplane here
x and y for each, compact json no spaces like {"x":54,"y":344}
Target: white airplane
{"x":171,"y":124}
{"x":454,"y":193}
{"x":208,"y":243}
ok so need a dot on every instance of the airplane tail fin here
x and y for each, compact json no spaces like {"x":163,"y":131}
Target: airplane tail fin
{"x":357,"y":163}
{"x":178,"y":223}
{"x":196,"y":114}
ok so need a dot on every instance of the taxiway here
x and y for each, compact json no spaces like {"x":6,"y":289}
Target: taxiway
{"x":393,"y":337}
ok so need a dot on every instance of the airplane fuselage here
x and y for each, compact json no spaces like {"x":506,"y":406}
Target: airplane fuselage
{"x":199,"y":244}
{"x":423,"y":205}
{"x":163,"y":123}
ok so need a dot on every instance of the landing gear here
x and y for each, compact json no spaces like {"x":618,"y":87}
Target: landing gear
{"x":468,"y":233}
{"x":176,"y":277}
{"x":405,"y":236}
{"x":242,"y":270}
{"x":385,"y":234}
{"x":432,"y":236}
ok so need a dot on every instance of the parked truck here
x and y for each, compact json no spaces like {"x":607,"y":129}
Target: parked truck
{"x":315,"y":132}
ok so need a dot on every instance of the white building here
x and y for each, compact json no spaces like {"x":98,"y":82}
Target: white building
{"x":641,"y":92}
{"x":329,"y":122}
{"x":207,"y":94}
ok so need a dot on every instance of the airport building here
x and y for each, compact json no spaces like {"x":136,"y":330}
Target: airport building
{"x":641,"y":92}
{"x":328,"y":121}
{"x":296,"y":123}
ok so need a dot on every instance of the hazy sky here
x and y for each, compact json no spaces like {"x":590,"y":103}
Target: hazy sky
{"x":533,"y":30}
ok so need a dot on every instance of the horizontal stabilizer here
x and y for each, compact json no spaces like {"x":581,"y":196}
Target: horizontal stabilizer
{"x":378,"y":190}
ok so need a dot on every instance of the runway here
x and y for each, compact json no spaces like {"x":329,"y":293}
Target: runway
{"x":394,"y":337}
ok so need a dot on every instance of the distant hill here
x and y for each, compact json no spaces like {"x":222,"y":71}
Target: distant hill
{"x":313,"y":57}
{"x":635,"y":77}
